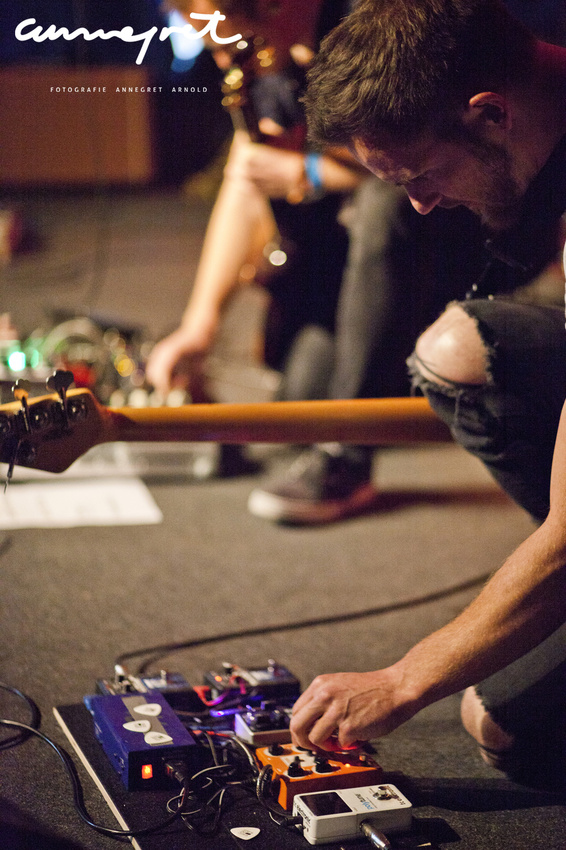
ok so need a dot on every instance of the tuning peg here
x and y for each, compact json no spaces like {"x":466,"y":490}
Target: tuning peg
{"x":21,"y":390}
{"x":59,"y":382}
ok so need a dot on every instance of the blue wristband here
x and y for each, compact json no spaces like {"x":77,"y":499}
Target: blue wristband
{"x":313,"y":171}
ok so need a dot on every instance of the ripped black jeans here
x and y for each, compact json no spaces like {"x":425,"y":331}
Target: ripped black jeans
{"x":510,"y":423}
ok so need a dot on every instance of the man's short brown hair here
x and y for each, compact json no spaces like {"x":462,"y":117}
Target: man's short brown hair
{"x":395,"y":68}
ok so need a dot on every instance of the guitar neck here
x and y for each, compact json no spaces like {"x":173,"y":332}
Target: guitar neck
{"x":49,"y":432}
{"x":387,"y":421}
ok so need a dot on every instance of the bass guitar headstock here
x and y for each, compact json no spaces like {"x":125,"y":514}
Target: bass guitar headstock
{"x":51,"y":431}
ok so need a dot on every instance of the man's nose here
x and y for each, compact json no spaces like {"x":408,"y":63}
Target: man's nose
{"x":423,"y":204}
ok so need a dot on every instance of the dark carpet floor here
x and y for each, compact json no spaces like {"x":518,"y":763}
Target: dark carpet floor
{"x":74,"y":599}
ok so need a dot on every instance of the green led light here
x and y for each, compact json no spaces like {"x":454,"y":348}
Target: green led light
{"x":17,"y":361}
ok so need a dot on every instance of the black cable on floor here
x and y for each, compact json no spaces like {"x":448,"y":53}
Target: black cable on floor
{"x":35,"y":718}
{"x":156,"y":652}
{"x":78,"y":800}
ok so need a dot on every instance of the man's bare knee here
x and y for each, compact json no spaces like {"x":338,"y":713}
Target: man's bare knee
{"x":478,"y":722}
{"x":451,"y":351}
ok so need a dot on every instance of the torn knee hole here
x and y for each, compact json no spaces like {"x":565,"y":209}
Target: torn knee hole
{"x":451,"y":351}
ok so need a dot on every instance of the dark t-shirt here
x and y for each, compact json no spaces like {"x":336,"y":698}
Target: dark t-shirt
{"x":533,"y":241}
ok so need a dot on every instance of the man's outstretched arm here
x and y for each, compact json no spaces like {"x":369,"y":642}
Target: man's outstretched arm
{"x":523,"y":603}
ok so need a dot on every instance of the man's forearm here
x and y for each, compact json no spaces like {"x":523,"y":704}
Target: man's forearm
{"x":523,"y":603}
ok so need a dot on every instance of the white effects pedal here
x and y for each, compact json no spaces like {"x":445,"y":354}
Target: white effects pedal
{"x":338,"y":815}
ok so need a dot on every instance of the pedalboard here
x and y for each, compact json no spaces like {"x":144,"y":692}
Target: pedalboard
{"x":299,"y":771}
{"x":338,"y":815}
{"x":274,"y":682}
{"x":139,"y":733}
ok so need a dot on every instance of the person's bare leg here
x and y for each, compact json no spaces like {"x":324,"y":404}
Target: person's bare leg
{"x":494,"y":742}
{"x":451,"y":350}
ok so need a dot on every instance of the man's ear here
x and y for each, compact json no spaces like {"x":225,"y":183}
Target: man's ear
{"x":488,"y":111}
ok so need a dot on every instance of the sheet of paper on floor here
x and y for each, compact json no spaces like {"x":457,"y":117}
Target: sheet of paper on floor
{"x":70,"y":504}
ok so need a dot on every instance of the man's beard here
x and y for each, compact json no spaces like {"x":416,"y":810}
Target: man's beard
{"x":502,"y":207}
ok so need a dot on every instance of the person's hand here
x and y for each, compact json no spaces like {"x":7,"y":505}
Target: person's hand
{"x":350,"y":707}
{"x":274,"y":171}
{"x":177,"y":359}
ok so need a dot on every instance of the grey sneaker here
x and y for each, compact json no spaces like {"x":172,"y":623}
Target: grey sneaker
{"x":325,"y":483}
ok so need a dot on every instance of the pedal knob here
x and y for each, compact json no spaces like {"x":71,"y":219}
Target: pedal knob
{"x":295,"y":768}
{"x":279,"y":719}
{"x":322,"y":765}
{"x":259,"y":720}
{"x":275,"y":749}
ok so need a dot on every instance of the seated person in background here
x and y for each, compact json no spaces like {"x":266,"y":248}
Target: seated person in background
{"x":267,"y":186}
{"x":487,"y":131}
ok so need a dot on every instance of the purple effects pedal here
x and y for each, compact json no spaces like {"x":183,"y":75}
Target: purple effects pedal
{"x":139,"y":733}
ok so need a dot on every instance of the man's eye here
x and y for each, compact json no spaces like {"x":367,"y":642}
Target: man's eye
{"x":406,"y":184}
{"x":412,"y":181}
{"x":419,"y":179}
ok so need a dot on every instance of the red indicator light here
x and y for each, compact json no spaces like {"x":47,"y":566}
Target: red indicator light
{"x":147,"y":771}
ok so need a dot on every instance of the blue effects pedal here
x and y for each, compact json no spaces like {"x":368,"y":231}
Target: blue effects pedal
{"x":139,"y":733}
